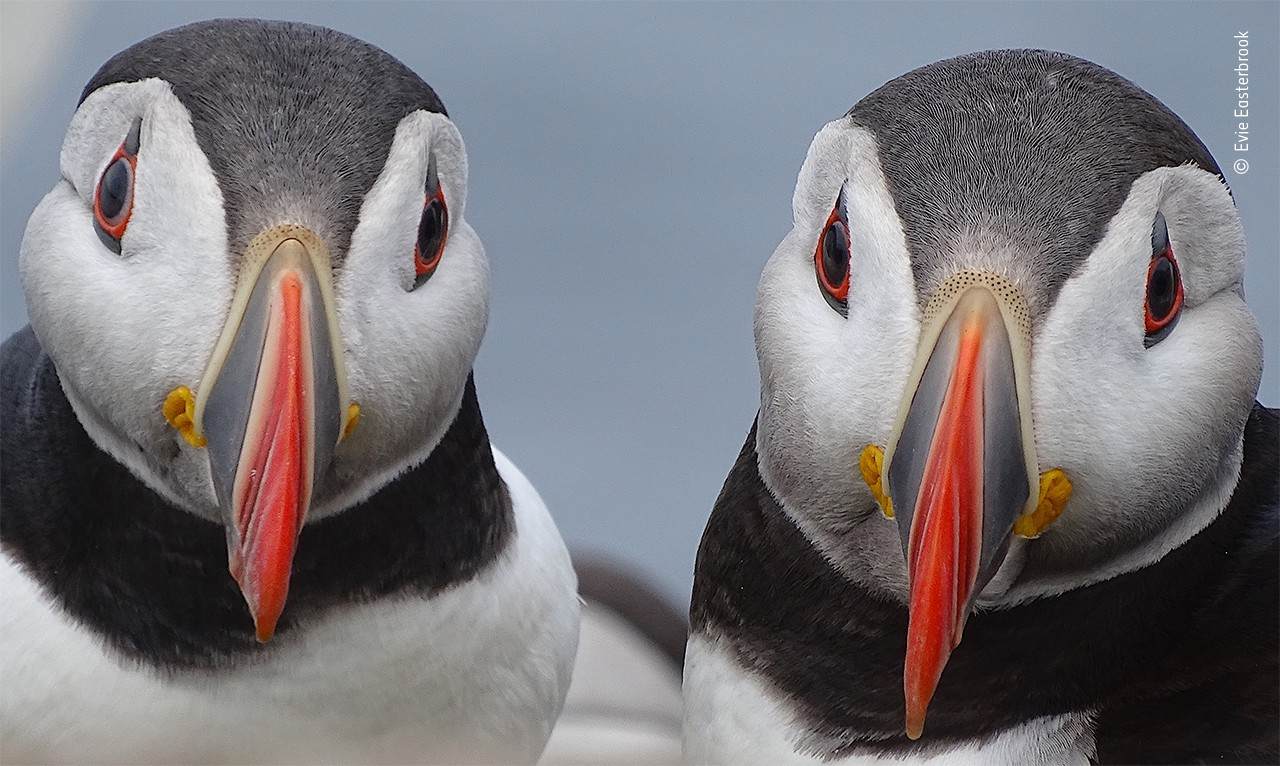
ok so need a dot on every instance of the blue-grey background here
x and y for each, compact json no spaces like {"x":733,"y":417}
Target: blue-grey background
{"x":631,"y":170}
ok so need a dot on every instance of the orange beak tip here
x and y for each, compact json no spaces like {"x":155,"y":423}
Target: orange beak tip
{"x":265,"y":630}
{"x":919,"y":693}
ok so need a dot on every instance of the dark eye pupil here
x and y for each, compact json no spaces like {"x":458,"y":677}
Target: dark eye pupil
{"x":835,"y":253}
{"x":433,"y":228}
{"x":430,"y":229}
{"x":113,"y":193}
{"x":1162,"y":289}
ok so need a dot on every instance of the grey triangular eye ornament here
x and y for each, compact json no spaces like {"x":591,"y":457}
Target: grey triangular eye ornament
{"x":433,"y":229}
{"x":113,"y":194}
{"x":831,"y":257}
{"x":1162,"y":302}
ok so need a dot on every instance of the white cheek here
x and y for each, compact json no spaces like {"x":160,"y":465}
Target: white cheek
{"x":409,"y":351}
{"x":831,"y":385}
{"x":125,"y":329}
{"x":412,"y":351}
{"x":100,"y":125}
{"x":829,"y":382}
{"x":1143,"y":433}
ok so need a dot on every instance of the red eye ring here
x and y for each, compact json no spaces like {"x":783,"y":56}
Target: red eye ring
{"x":834,"y":241}
{"x":433,"y":229}
{"x":1163,"y":276}
{"x":114,"y":226}
{"x":422,"y":267}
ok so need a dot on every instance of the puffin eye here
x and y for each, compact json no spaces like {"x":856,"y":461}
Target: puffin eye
{"x":433,"y":230}
{"x":113,"y":196}
{"x":1163,"y":303}
{"x":831,"y":258}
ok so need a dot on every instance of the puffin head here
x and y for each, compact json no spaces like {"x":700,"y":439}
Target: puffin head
{"x":256,"y":280}
{"x":1009,"y":313}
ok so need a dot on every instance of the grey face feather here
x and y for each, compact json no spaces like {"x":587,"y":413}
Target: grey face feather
{"x":296,"y":120}
{"x":1030,"y":151}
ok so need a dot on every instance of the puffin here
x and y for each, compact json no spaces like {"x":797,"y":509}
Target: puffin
{"x":251,"y":509}
{"x":1008,"y":497}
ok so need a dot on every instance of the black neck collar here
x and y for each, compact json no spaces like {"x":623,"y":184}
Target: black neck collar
{"x":834,"y":650}
{"x":152,"y":579}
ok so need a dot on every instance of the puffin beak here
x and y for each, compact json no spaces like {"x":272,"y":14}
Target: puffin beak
{"x":961,"y":468}
{"x":270,"y":406}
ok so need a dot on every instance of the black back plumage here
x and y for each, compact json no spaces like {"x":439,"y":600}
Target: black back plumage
{"x":1179,"y":659}
{"x":152,"y":580}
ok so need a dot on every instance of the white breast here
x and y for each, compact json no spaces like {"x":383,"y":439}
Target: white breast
{"x":479,"y":672}
{"x":733,"y":717}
